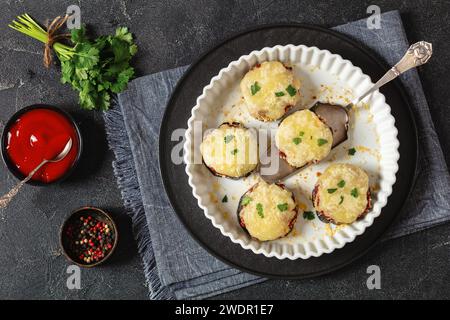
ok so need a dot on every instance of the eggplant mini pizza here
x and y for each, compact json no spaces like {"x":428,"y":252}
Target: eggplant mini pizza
{"x":267,"y":211}
{"x":303,"y":138}
{"x":270,"y":89}
{"x":342,"y":194}
{"x":230,"y":151}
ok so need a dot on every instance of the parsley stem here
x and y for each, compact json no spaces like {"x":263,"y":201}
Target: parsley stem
{"x":26,"y":25}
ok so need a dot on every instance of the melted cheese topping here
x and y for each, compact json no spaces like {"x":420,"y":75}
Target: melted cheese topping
{"x":344,"y":205}
{"x":230,"y":151}
{"x":271,"y":77}
{"x":269,"y":222}
{"x":303,"y":138}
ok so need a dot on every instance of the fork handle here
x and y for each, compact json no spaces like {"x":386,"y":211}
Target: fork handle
{"x":6,"y":199}
{"x":417,"y":54}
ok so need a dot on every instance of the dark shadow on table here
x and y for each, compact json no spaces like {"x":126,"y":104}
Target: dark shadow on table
{"x":126,"y":246}
{"x":95,"y":146}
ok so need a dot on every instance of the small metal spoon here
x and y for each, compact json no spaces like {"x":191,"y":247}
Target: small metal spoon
{"x":336,"y":116}
{"x":4,"y":201}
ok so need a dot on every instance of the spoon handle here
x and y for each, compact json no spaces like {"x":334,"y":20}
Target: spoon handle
{"x":6,"y":199}
{"x":417,"y":54}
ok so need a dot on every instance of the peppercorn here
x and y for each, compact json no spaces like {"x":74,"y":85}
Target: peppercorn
{"x":91,"y":239}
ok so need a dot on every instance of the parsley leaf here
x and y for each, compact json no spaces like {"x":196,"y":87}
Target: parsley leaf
{"x":254,"y":88}
{"x":234,"y":151}
{"x":225,"y":199}
{"x":291,"y":90}
{"x":228,"y":138}
{"x":259,"y":208}
{"x":78,"y":35}
{"x":122,"y":80}
{"x":86,"y":56}
{"x":297,"y":140}
{"x":123,"y":34}
{"x":308,"y":215}
{"x":282,"y":207}
{"x":354,"y":193}
{"x":342,"y":200}
{"x":279,"y":94}
{"x":331,"y":190}
{"x":246,"y":200}
{"x":321,"y":142}
{"x":341,"y":184}
{"x":351,"y":152}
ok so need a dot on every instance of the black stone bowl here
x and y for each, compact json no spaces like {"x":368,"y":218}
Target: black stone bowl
{"x":4,"y":142}
{"x":67,"y":243}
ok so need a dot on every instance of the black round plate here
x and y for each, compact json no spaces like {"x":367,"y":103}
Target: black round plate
{"x":179,"y":110}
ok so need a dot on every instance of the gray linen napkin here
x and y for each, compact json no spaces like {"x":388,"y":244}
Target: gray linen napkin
{"x":175,"y":265}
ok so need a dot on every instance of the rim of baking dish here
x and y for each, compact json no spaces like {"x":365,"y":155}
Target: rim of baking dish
{"x":341,"y":237}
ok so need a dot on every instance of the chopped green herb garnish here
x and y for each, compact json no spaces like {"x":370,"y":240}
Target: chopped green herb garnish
{"x":259,"y":208}
{"x":321,"y":142}
{"x":246,"y":200}
{"x":351,"y":152}
{"x":354,"y":193}
{"x":302,"y":133}
{"x":342,"y":200}
{"x":297,"y":140}
{"x":282,"y":207}
{"x":291,"y":90}
{"x":254,"y":88}
{"x":225,"y":199}
{"x":279,"y":93}
{"x":228,"y":138}
{"x":234,"y":151}
{"x":331,"y":190}
{"x":308,"y":215}
{"x":341,"y":184}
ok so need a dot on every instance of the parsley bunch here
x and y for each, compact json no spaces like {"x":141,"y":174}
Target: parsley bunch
{"x":94,"y":68}
{"x":100,"y":67}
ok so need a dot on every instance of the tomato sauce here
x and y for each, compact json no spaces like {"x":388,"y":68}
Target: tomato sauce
{"x":41,"y":134}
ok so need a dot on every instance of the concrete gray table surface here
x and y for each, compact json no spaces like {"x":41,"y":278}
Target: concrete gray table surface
{"x":170,"y":34}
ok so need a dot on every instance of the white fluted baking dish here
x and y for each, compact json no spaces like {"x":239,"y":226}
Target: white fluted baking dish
{"x":372,"y":133}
